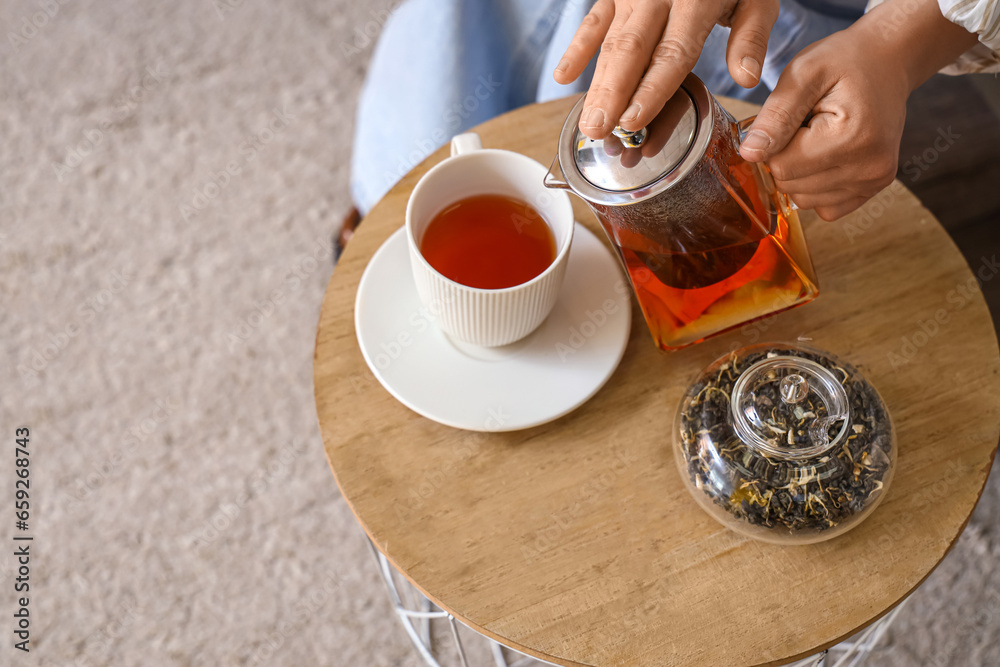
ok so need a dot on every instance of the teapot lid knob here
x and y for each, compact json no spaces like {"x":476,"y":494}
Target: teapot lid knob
{"x":630,"y":139}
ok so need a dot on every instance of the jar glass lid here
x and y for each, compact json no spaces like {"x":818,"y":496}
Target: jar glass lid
{"x":789,"y":406}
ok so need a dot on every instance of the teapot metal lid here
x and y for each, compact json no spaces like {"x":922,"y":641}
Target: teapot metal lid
{"x":627,"y":167}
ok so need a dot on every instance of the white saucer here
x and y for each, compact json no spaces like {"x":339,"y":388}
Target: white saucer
{"x":554,"y":370}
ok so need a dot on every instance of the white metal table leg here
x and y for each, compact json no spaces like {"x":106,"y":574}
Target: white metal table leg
{"x":421,"y":640}
{"x":850,"y":653}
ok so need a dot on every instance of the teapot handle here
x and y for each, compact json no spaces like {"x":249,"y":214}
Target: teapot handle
{"x":742,"y":127}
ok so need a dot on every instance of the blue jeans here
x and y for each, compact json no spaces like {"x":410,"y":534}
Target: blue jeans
{"x":443,"y":66}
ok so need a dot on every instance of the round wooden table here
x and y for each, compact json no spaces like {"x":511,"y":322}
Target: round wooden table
{"x":576,"y":542}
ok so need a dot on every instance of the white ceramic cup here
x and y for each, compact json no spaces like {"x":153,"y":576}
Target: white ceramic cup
{"x":487,"y":317}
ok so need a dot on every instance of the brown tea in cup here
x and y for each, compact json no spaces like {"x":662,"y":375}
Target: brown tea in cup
{"x":489,"y":241}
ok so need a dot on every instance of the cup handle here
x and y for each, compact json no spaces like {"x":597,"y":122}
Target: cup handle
{"x":465,"y":143}
{"x":742,"y":127}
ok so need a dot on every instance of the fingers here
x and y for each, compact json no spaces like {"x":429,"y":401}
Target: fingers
{"x":831,"y":213}
{"x":593,"y":118}
{"x":784,"y":110}
{"x":751,"y":25}
{"x":831,"y":198}
{"x":825,"y":157}
{"x":811,"y":162}
{"x":815,"y":184}
{"x":624,"y":56}
{"x":832,"y":192}
{"x":672,"y":59}
{"x":832,"y":182}
{"x":586,"y":42}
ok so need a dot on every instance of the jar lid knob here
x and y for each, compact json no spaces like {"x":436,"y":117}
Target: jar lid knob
{"x":794,"y":388}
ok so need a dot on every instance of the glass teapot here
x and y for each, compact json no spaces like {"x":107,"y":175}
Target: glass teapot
{"x":706,"y":239}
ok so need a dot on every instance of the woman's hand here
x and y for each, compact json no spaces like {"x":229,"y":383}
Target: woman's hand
{"x":855,"y":84}
{"x":850,"y":148}
{"x":649,"y":46}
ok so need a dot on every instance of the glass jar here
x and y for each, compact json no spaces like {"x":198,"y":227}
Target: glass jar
{"x":785,"y":444}
{"x":706,"y":239}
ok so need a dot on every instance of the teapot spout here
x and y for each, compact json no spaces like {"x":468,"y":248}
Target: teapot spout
{"x":555,"y":177}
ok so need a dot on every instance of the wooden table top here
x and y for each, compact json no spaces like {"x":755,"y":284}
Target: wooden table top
{"x":576,"y":541}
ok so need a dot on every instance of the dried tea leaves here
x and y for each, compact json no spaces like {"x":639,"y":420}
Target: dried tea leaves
{"x":789,"y":493}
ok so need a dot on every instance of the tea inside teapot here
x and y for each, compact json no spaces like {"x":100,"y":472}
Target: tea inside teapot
{"x":706,"y":239}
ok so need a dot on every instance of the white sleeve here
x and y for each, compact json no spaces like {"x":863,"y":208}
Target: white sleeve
{"x":981,"y":17}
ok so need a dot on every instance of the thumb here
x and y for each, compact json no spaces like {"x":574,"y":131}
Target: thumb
{"x":750,"y":27}
{"x":791,"y":101}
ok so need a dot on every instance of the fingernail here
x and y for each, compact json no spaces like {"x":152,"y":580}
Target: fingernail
{"x":751,"y":67}
{"x":756,"y":141}
{"x":563,"y":64}
{"x":631,"y":113}
{"x":595,"y":118}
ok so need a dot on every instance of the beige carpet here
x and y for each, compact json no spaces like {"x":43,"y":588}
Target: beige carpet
{"x":170,"y":178}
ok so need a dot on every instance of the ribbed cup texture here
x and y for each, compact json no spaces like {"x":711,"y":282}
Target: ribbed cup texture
{"x":488,"y":317}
